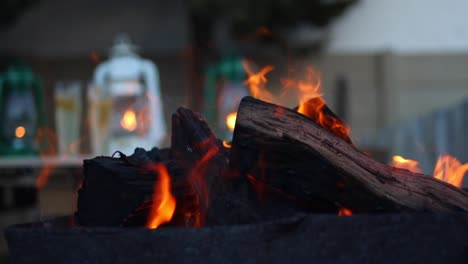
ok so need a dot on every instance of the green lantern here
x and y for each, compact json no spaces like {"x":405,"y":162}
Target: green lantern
{"x":222,"y":98}
{"x":21,"y":111}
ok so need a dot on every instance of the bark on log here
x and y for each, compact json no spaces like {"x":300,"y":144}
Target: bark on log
{"x":113,"y":187}
{"x":287,"y":151}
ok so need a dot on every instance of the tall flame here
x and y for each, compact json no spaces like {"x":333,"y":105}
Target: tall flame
{"x":411,"y":165}
{"x":257,"y":82}
{"x":450,"y":170}
{"x":164,"y":203}
{"x":231,"y":121}
{"x":311,"y":103}
{"x":129,"y":120}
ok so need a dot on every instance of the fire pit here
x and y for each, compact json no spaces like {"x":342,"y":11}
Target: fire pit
{"x":275,"y":194}
{"x":403,"y":238}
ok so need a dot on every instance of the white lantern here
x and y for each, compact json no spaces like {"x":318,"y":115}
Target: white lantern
{"x":126,"y":110}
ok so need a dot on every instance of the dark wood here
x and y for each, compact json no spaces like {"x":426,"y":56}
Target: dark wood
{"x":118,"y":191}
{"x":113,"y":187}
{"x":203,"y":161}
{"x":287,"y":151}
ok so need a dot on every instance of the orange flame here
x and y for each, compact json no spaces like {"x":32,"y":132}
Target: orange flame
{"x":43,"y":177}
{"x":257,"y":81}
{"x":450,"y":170}
{"x":314,"y":109}
{"x":45,"y":138}
{"x":402,"y":163}
{"x":164,"y":203}
{"x":226,"y":144}
{"x":345,"y":212}
{"x":312,"y":105}
{"x":129,"y":120}
{"x":308,"y":88}
{"x":20,"y":131}
{"x":231,"y":120}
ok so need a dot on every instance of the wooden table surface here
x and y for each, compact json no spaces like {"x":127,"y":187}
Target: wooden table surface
{"x":39,"y":162}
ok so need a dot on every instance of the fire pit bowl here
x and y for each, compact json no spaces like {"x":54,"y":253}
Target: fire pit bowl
{"x":385,"y":238}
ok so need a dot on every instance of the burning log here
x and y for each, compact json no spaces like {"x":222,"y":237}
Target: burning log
{"x":202,"y":160}
{"x":119,"y":191}
{"x":284,"y":150}
{"x":114,"y":187}
{"x":318,"y":110}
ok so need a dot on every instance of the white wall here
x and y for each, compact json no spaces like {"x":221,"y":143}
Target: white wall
{"x":403,"y":26}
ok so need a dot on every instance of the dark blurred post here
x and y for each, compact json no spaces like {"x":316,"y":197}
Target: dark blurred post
{"x":201,"y":28}
{"x":342,"y":97}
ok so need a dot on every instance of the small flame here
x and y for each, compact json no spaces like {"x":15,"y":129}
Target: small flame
{"x":231,"y":120}
{"x":402,"y":163}
{"x":43,"y":177}
{"x":345,"y":212}
{"x":257,"y":81}
{"x":312,"y":105}
{"x":45,"y":138}
{"x":450,"y":170}
{"x":164,"y":203}
{"x":226,"y":144}
{"x":20,"y":131}
{"x":129,"y":120}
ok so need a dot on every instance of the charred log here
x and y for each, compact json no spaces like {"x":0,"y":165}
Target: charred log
{"x":287,"y":151}
{"x":113,"y":187}
{"x":119,"y":191}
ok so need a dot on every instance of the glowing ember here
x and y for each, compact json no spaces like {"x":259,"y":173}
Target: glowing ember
{"x":231,"y":121}
{"x":197,"y":180}
{"x":345,"y":212}
{"x":164,"y":203}
{"x":20,"y":131}
{"x":129,"y":120}
{"x":450,"y":170}
{"x":226,"y":144}
{"x":402,"y":163}
{"x":257,"y":185}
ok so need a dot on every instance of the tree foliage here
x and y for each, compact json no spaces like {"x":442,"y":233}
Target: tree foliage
{"x":249,"y":15}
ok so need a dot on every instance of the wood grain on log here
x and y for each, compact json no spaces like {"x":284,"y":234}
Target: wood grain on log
{"x":288,"y":151}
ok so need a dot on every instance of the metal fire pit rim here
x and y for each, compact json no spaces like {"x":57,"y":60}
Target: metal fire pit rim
{"x":384,"y":238}
{"x":65,"y":223}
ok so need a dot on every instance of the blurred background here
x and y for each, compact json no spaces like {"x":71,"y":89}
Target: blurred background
{"x":81,"y":78}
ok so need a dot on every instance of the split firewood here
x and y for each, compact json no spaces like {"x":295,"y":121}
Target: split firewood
{"x":113,"y":187}
{"x":286,"y":151}
{"x":119,"y":191}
